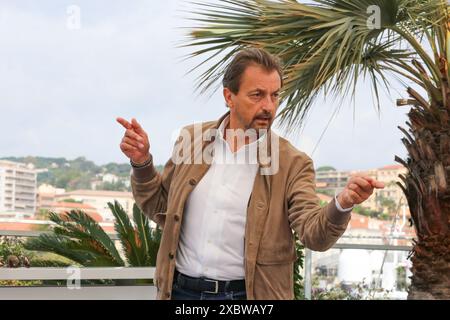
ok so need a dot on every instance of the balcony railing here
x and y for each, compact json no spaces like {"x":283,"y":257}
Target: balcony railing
{"x":145,"y":291}
{"x":378,"y":274}
{"x":73,"y":291}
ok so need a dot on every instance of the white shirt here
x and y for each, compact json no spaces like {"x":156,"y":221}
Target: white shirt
{"x":212,"y":233}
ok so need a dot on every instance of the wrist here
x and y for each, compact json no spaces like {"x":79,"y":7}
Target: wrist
{"x":141,"y":162}
{"x":344,"y":204}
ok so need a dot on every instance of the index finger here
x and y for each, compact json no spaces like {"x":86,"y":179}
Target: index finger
{"x":378,"y":184}
{"x":137,"y":126}
{"x":362,"y":182}
{"x":372,"y":181}
{"x":124,"y":123}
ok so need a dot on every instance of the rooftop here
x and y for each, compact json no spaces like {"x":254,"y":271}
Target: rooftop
{"x":97,"y":193}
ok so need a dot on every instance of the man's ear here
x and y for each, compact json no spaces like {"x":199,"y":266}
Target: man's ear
{"x":227,"y":94}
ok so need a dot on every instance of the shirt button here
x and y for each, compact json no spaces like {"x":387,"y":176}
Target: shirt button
{"x":168,"y":294}
{"x":177,"y":217}
{"x":192,"y":182}
{"x":171,"y":256}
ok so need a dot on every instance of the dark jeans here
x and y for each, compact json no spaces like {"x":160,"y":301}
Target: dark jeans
{"x":186,"y":294}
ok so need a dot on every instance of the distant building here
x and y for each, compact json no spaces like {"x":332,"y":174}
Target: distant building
{"x":99,"y":200}
{"x":64,"y":207}
{"x":110,"y":178}
{"x":390,"y":176}
{"x":95,"y":184}
{"x":17,"y":190}
{"x":102,"y":179}
{"x":377,"y":268}
{"x":46,"y":196}
{"x":126,"y":182}
{"x":332,"y":180}
{"x":19,"y":225}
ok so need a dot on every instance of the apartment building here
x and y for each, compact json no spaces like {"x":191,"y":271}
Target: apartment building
{"x":332,"y":180}
{"x":99,"y":200}
{"x":390,"y":176}
{"x":46,"y":196}
{"x":17,"y":190}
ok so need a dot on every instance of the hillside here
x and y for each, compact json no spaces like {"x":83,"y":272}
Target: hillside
{"x":78,"y":173}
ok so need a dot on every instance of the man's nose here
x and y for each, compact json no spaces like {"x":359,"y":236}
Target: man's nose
{"x":269,"y":105}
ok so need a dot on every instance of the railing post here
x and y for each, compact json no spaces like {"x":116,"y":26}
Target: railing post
{"x":308,"y":276}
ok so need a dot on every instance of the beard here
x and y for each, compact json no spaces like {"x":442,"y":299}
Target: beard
{"x":262,"y":120}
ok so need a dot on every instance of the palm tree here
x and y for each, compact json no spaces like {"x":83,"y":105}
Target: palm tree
{"x":328,"y":46}
{"x":79,"y":238}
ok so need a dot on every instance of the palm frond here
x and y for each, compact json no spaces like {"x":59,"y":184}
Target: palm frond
{"x":327,"y":46}
{"x":59,"y":245}
{"x":76,"y":236}
{"x":79,"y":225}
{"x":134,"y":250}
{"x":144,"y":233}
{"x":303,"y":85}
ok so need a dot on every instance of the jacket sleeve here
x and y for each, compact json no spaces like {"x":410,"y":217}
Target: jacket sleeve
{"x":318,"y":227}
{"x":150,"y":190}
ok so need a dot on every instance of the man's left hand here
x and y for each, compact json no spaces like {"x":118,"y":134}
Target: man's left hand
{"x":358,"y":189}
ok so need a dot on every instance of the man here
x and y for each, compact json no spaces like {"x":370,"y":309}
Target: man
{"x":227,"y":225}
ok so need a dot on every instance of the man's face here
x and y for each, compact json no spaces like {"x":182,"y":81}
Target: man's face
{"x":256,"y":103}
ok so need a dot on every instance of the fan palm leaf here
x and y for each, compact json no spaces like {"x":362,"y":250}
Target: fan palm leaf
{"x":327,"y":47}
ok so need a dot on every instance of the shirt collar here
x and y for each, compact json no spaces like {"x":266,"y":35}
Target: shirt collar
{"x":221,"y":133}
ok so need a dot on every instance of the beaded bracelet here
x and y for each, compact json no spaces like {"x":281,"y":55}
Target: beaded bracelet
{"x":141,"y":165}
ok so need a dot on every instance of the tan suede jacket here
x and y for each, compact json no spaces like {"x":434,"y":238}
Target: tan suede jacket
{"x":279,"y":203}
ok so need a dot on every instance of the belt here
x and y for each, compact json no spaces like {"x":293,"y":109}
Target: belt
{"x":208,"y":285}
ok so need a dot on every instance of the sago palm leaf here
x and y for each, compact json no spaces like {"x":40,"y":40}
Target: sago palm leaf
{"x":133,"y":247}
{"x":60,"y":245}
{"x":79,"y":238}
{"x":43,"y":263}
{"x":144,"y":234}
{"x":79,"y":225}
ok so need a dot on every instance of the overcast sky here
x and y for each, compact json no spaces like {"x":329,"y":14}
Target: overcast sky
{"x":62,"y":88}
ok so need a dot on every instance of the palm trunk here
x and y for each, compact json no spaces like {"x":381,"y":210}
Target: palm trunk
{"x":426,"y":187}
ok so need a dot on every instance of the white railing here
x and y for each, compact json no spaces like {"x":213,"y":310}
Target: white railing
{"x":72,"y":290}
{"x":126,"y":292}
{"x":308,"y":275}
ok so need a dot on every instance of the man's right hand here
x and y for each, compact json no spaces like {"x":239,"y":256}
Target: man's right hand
{"x":135,"y":144}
